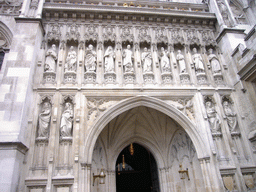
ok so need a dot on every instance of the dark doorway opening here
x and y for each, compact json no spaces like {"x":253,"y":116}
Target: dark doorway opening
{"x":136,"y":170}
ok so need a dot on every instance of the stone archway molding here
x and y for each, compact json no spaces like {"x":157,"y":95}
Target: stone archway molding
{"x":151,"y":102}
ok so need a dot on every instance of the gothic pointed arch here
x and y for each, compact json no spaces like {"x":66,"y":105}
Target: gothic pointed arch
{"x":150,"y":102}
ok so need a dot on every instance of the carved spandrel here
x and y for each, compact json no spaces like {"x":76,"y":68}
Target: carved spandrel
{"x":184,"y":105}
{"x":96,"y":107}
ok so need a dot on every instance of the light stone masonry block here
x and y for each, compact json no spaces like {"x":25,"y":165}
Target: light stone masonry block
{"x":18,"y":72}
{"x":4,"y":89}
{"x":29,"y":53}
{"x":12,"y":56}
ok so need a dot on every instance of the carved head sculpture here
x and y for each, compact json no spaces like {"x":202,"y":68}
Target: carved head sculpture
{"x":54,"y":47}
{"x":145,"y":49}
{"x":208,"y":104}
{"x":179,"y":51}
{"x":210,"y":51}
{"x":225,"y":104}
{"x":162,"y":49}
{"x":128,"y":46}
{"x":71,"y":48}
{"x":194,"y":50}
{"x":90,"y":47}
{"x":68,"y":105}
{"x":46,"y":104}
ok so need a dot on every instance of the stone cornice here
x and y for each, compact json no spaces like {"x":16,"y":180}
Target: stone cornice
{"x":250,"y":34}
{"x":19,"y":146}
{"x":248,"y":71}
{"x":85,"y":8}
{"x":228,"y":30}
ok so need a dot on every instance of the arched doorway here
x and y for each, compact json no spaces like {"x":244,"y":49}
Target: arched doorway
{"x":136,"y":170}
{"x":153,"y":124}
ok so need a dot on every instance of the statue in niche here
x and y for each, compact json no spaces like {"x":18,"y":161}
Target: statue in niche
{"x":146,"y":60}
{"x":90,"y":59}
{"x":231,"y":116}
{"x":44,"y":120}
{"x":212,"y":116}
{"x":164,"y":61}
{"x":197,"y":61}
{"x":109,"y":60}
{"x":214,"y":62}
{"x":50,"y":61}
{"x":70,"y":64}
{"x":66,"y":123}
{"x":181,"y":61}
{"x":128,"y":57}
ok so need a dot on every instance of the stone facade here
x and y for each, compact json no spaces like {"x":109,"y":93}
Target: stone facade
{"x":80,"y":81}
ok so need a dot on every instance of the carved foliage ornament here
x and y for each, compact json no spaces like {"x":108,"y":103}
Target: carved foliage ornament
{"x":91,"y":33}
{"x":160,"y":36}
{"x":109,"y":33}
{"x":54,"y":32}
{"x":177,"y":36}
{"x":73,"y":32}
{"x":95,"y":106}
{"x":126,"y":34}
{"x":143,"y":35}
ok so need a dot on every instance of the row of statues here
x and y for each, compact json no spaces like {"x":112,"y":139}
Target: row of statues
{"x":66,"y":122}
{"x":128,"y":60}
{"x":214,"y":119}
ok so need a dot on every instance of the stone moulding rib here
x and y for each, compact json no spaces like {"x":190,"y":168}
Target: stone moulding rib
{"x":130,"y":11}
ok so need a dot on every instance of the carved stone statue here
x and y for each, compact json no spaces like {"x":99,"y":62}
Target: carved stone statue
{"x":71,"y":60}
{"x":128,"y":58}
{"x":164,"y":61}
{"x":50,"y":61}
{"x":146,"y":57}
{"x":231,"y":116}
{"x":44,"y":120}
{"x":109,"y":60}
{"x":90,"y":59}
{"x":214,"y":62}
{"x":181,"y":62}
{"x":212,"y":116}
{"x":197,"y":61}
{"x":66,"y":123}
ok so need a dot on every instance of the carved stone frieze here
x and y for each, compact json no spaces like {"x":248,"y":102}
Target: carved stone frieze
{"x":126,"y":34}
{"x":90,"y":77}
{"x":110,"y":77}
{"x":109,"y":33}
{"x":54,"y":32}
{"x":49,"y":77}
{"x":218,"y":79}
{"x":97,"y":106}
{"x":166,"y":77}
{"x":184,"y":78}
{"x":160,"y":36}
{"x":201,"y":78}
{"x":10,"y":7}
{"x":177,"y":36}
{"x":148,"y":77}
{"x":69,"y":77}
{"x":185,"y":105}
{"x":208,"y":38}
{"x":143,"y":35}
{"x":73,"y":32}
{"x":192,"y":37}
{"x":181,"y":147}
{"x":129,"y":78}
{"x":91,"y":33}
